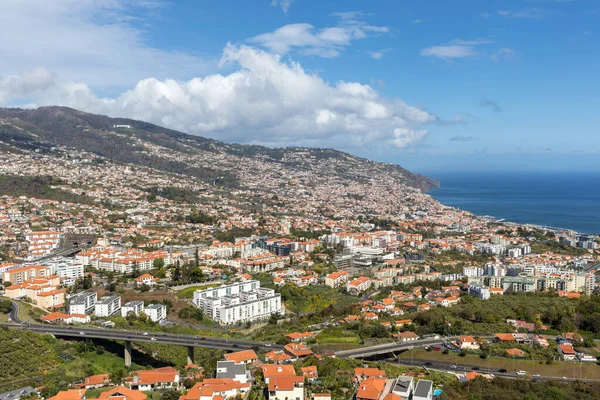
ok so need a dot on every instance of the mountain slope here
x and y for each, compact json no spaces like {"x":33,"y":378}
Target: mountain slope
{"x":207,"y":160}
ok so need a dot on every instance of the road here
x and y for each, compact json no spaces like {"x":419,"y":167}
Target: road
{"x":449,"y":367}
{"x":390,"y":347}
{"x":14,"y":312}
{"x":137,"y":336}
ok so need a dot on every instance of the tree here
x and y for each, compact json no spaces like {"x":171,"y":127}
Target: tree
{"x":144,"y":287}
{"x":117,"y":376}
{"x":5,"y":306}
{"x":170,"y":395}
{"x":158,"y":263}
{"x":7,"y":284}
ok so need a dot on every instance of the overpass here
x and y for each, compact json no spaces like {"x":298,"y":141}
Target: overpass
{"x":190,"y":342}
{"x":387,"y":348}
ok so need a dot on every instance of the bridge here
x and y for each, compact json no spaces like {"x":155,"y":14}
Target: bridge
{"x":190,"y":342}
{"x":388,"y":348}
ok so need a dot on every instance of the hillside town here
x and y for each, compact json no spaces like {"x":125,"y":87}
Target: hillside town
{"x":313,"y":264}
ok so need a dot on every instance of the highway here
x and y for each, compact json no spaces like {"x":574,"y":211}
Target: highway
{"x":370,"y":351}
{"x":137,"y":336}
{"x":449,"y":367}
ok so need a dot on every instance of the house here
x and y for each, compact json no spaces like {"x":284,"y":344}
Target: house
{"x":361,"y":374}
{"x":401,"y":322}
{"x":277,"y":371}
{"x":310,"y":372}
{"x":504,"y":337}
{"x":540,"y":341}
{"x":370,"y":316}
{"x":96,"y":381}
{"x":403,"y":387}
{"x":286,"y":387}
{"x":297,"y":350}
{"x":160,"y":378}
{"x":278,"y":357}
{"x":122,"y":393}
{"x":572,"y":337}
{"x":423,"y":390}
{"x":567,"y":351}
{"x":71,"y":394}
{"x":514,"y":352}
{"x":231,"y":370}
{"x":371,"y":389}
{"x":242,"y":357}
{"x":146,"y":279}
{"x":404,"y":337}
{"x":216,"y":389}
{"x":299,"y":337}
{"x":467,"y":342}
{"x":23,"y":392}
{"x":321,"y":396}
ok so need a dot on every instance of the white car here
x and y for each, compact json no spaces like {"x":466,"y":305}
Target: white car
{"x":536,"y":375}
{"x":153,"y":338}
{"x":82,"y":333}
{"x":268,"y":344}
{"x":145,"y":333}
{"x":521,"y":373}
{"x":453,"y":366}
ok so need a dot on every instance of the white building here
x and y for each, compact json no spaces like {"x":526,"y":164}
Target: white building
{"x":286,"y":387}
{"x":336,"y":279}
{"x":65,"y":268}
{"x":423,"y":390}
{"x":156,"y":312}
{"x":239,"y":302}
{"x":107,"y":306}
{"x":231,"y":370}
{"x":82,"y":303}
{"x":136,"y":307}
{"x":403,"y":387}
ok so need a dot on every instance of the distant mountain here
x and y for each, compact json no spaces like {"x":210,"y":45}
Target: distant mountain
{"x":144,"y":144}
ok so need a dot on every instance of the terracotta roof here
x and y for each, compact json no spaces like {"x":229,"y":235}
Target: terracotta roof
{"x":121,"y":392}
{"x":241,"y":356}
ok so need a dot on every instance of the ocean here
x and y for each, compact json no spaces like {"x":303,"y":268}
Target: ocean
{"x":557,"y":199}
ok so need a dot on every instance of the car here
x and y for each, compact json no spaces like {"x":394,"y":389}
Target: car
{"x":268,"y":345}
{"x":145,"y":333}
{"x":70,"y":327}
{"x":475,"y":368}
{"x":437,"y":348}
{"x":536,"y":375}
{"x":502,"y":370}
{"x":453,"y":366}
{"x":521,"y":373}
{"x":202,"y":338}
{"x":235,"y":345}
{"x":564,"y":377}
{"x":427,"y":363}
{"x":82,"y":333}
{"x":153,"y":339}
{"x":197,"y":344}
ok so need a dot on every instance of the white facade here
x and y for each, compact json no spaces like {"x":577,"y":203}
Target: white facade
{"x":239,"y":302}
{"x":136,"y":307}
{"x":156,"y":312}
{"x":66,"y":267}
{"x":82,"y":303}
{"x":107,"y":306}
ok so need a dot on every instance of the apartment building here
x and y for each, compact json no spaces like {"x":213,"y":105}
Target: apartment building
{"x":82,"y":303}
{"x":22,"y":274}
{"x":107,"y":306}
{"x":238,"y":302}
{"x":136,"y":307}
{"x":42,"y":243}
{"x":156,"y":312}
{"x":336,"y":279}
{"x":65,"y":267}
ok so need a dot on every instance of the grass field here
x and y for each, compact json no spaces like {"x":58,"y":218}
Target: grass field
{"x":338,"y":335}
{"x":557,"y":369}
{"x":188,"y":293}
{"x":94,"y":393}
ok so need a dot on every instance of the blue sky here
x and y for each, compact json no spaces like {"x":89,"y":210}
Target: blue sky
{"x":431,"y":85}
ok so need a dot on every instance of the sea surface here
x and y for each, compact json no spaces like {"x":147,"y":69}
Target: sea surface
{"x":558,"y":199}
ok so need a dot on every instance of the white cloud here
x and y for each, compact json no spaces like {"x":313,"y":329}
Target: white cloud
{"x":94,"y":41}
{"x":24,"y":84}
{"x":283,"y":4}
{"x":528,"y":13}
{"x":265,"y":100}
{"x":484,"y":15}
{"x":503,"y":54}
{"x":325,"y":42}
{"x":378,"y":54}
{"x":457,"y":48}
{"x":448,"y":51}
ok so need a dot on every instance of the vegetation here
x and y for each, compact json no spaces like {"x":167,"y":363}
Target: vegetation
{"x":41,"y":187}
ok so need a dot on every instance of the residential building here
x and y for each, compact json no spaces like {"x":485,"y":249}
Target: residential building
{"x":160,"y":378}
{"x":336,"y":279}
{"x":16,"y":394}
{"x":467,"y":342}
{"x":358,"y":285}
{"x":403,"y":387}
{"x":122,"y":393}
{"x":146,"y":279}
{"x":216,"y":389}
{"x":423,"y":390}
{"x":242,"y":357}
{"x":239,"y":302}
{"x":231,"y":370}
{"x":23,"y":274}
{"x":286,"y":388}
{"x":156,"y":312}
{"x":82,"y":303}
{"x":107,"y":306}
{"x":135,"y":307}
